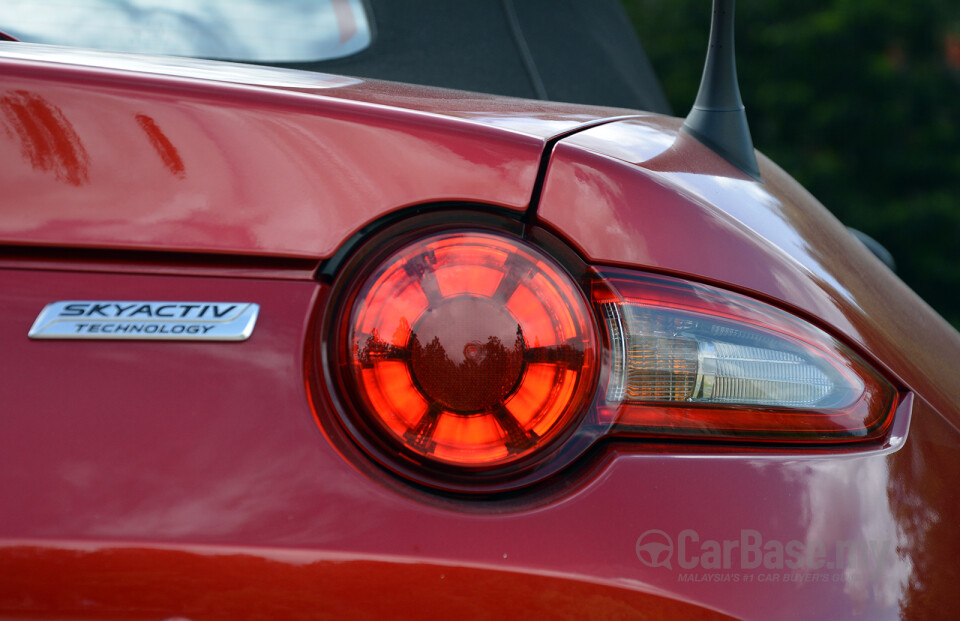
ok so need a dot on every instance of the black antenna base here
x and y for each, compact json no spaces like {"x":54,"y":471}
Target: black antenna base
{"x":718,"y":118}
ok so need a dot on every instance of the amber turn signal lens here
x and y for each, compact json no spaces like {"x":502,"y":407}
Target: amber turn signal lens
{"x":471,"y":350}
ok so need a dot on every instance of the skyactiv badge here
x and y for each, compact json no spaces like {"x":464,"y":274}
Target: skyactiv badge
{"x":169,"y":321}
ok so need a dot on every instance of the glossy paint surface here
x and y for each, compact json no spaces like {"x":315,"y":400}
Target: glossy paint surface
{"x":639,"y":193}
{"x":536,"y":118}
{"x":113,"y":159}
{"x":127,"y":456}
{"x":155,"y":480}
{"x":152,"y":582}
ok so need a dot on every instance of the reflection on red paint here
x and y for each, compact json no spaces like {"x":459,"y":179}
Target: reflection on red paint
{"x":686,"y":149}
{"x":87,"y":581}
{"x":345,"y":20}
{"x":47,"y":139}
{"x":164,"y":148}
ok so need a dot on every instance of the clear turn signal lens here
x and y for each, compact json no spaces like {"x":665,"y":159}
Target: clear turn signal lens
{"x":687,"y":359}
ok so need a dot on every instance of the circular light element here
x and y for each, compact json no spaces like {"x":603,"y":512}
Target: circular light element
{"x":469,"y":349}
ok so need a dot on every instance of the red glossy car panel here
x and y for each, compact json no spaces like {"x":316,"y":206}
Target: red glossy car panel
{"x":118,"y":445}
{"x":140,"y":582}
{"x":165,"y":479}
{"x":638,"y":192}
{"x":112,"y":159}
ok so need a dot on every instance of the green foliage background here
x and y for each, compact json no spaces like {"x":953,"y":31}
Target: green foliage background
{"x":858,"y":100}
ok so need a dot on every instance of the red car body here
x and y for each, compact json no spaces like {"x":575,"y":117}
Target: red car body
{"x":152,"y":480}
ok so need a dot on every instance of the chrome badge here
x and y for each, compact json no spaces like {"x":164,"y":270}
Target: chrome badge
{"x":165,"y":321}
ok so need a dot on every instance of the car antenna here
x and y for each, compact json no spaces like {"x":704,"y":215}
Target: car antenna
{"x":718,"y":118}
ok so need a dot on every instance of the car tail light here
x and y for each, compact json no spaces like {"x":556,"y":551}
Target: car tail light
{"x":471,"y":360}
{"x":692,"y":360}
{"x":470,"y":350}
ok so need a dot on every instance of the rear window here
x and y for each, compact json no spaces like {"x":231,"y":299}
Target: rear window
{"x":263,"y":31}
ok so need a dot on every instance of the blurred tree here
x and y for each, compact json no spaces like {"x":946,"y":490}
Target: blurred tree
{"x":858,"y":99}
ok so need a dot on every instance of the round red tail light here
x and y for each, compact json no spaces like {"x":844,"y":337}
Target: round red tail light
{"x":468,"y":351}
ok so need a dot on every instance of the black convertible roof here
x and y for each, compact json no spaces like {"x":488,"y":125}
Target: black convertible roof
{"x":579,"y":51}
